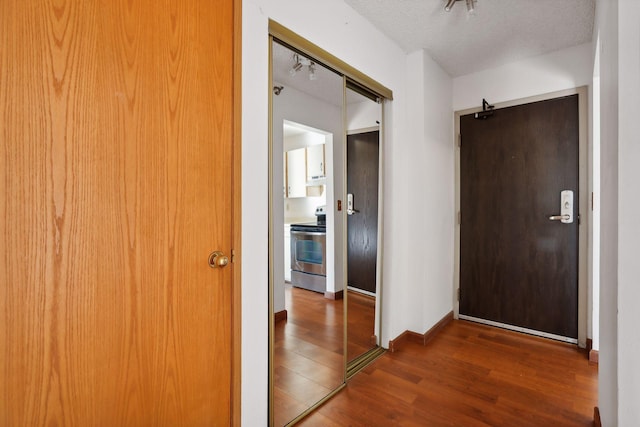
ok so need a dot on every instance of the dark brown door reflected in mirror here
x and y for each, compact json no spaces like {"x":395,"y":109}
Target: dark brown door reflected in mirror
{"x":363,"y":117}
{"x":362,"y":226}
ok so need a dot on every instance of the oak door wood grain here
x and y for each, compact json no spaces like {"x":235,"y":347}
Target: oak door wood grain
{"x":115,"y":185}
{"x":516,"y":266}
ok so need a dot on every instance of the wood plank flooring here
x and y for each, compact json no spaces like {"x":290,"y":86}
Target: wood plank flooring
{"x":361,"y":313}
{"x":308,"y":352}
{"x":469,"y":375}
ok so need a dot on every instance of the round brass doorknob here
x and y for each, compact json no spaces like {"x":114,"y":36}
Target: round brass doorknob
{"x":218,"y":259}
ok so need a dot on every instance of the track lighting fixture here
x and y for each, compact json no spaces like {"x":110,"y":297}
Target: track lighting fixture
{"x":470,"y":5}
{"x":449,"y":5}
{"x":301,"y":61}
{"x":297,"y":66}
{"x":312,"y":71}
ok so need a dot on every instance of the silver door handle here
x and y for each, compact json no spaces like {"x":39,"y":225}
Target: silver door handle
{"x":566,"y":208}
{"x":559,"y":217}
{"x":350,"y":210}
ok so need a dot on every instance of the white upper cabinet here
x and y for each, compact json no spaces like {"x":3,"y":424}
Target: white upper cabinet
{"x":296,"y":184}
{"x":315,"y":161}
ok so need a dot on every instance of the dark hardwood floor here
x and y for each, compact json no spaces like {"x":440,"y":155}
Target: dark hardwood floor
{"x":361,"y":313}
{"x":308,"y":352}
{"x":308,"y":347}
{"x":469,"y":375}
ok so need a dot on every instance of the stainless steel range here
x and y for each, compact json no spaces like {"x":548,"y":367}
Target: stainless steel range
{"x":308,"y":253}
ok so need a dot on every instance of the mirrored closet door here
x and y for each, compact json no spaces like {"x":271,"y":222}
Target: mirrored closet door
{"x":364,"y":115}
{"x":325,"y":139}
{"x":308,"y":332}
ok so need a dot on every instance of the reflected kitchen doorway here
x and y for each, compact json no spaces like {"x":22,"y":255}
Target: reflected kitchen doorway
{"x":313,"y":109}
{"x":308,"y":357}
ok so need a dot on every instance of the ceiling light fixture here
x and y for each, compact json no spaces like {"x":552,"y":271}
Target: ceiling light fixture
{"x":312,"y":71}
{"x":449,"y":5}
{"x":470,"y":5}
{"x":301,"y":61}
{"x":297,"y":66}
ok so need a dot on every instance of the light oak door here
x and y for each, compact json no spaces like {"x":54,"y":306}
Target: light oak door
{"x":116,"y":153}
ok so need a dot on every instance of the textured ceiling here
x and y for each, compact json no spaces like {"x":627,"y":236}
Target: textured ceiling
{"x":500,"y":31}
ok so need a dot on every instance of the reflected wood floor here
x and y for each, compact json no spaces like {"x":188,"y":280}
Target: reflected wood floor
{"x":308,"y":352}
{"x":308,"y":355}
{"x":469,"y":375}
{"x":361,"y":314}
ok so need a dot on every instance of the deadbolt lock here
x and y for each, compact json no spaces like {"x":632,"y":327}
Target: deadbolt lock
{"x":218,"y":259}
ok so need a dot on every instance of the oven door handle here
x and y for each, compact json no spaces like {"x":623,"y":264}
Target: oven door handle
{"x":308,"y":233}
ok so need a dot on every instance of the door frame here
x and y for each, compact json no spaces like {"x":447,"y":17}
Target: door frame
{"x":236,"y":221}
{"x":584,"y":245}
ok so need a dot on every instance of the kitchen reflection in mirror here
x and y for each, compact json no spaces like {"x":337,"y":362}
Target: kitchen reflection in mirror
{"x":307,"y":342}
{"x":325,"y":281}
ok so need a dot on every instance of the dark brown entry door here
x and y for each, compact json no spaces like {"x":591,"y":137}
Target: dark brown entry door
{"x":362,"y":225}
{"x":518,"y":267}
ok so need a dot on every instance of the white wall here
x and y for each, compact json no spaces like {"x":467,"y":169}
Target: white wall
{"x":628,"y":213}
{"x":433,"y":190}
{"x":563,"y":69}
{"x":594,"y":219}
{"x":416,"y":293}
{"x":363,"y":115}
{"x":397,"y":193}
{"x":255,"y":220}
{"x":619,"y":76}
{"x":302,"y":209}
{"x":419,"y":234}
{"x":607,"y":27}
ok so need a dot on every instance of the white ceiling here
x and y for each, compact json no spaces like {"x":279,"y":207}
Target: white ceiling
{"x":500,"y":31}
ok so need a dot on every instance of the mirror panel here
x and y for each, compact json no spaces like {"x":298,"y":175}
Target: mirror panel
{"x":325,"y":142}
{"x":363,"y":180}
{"x":308,"y":351}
